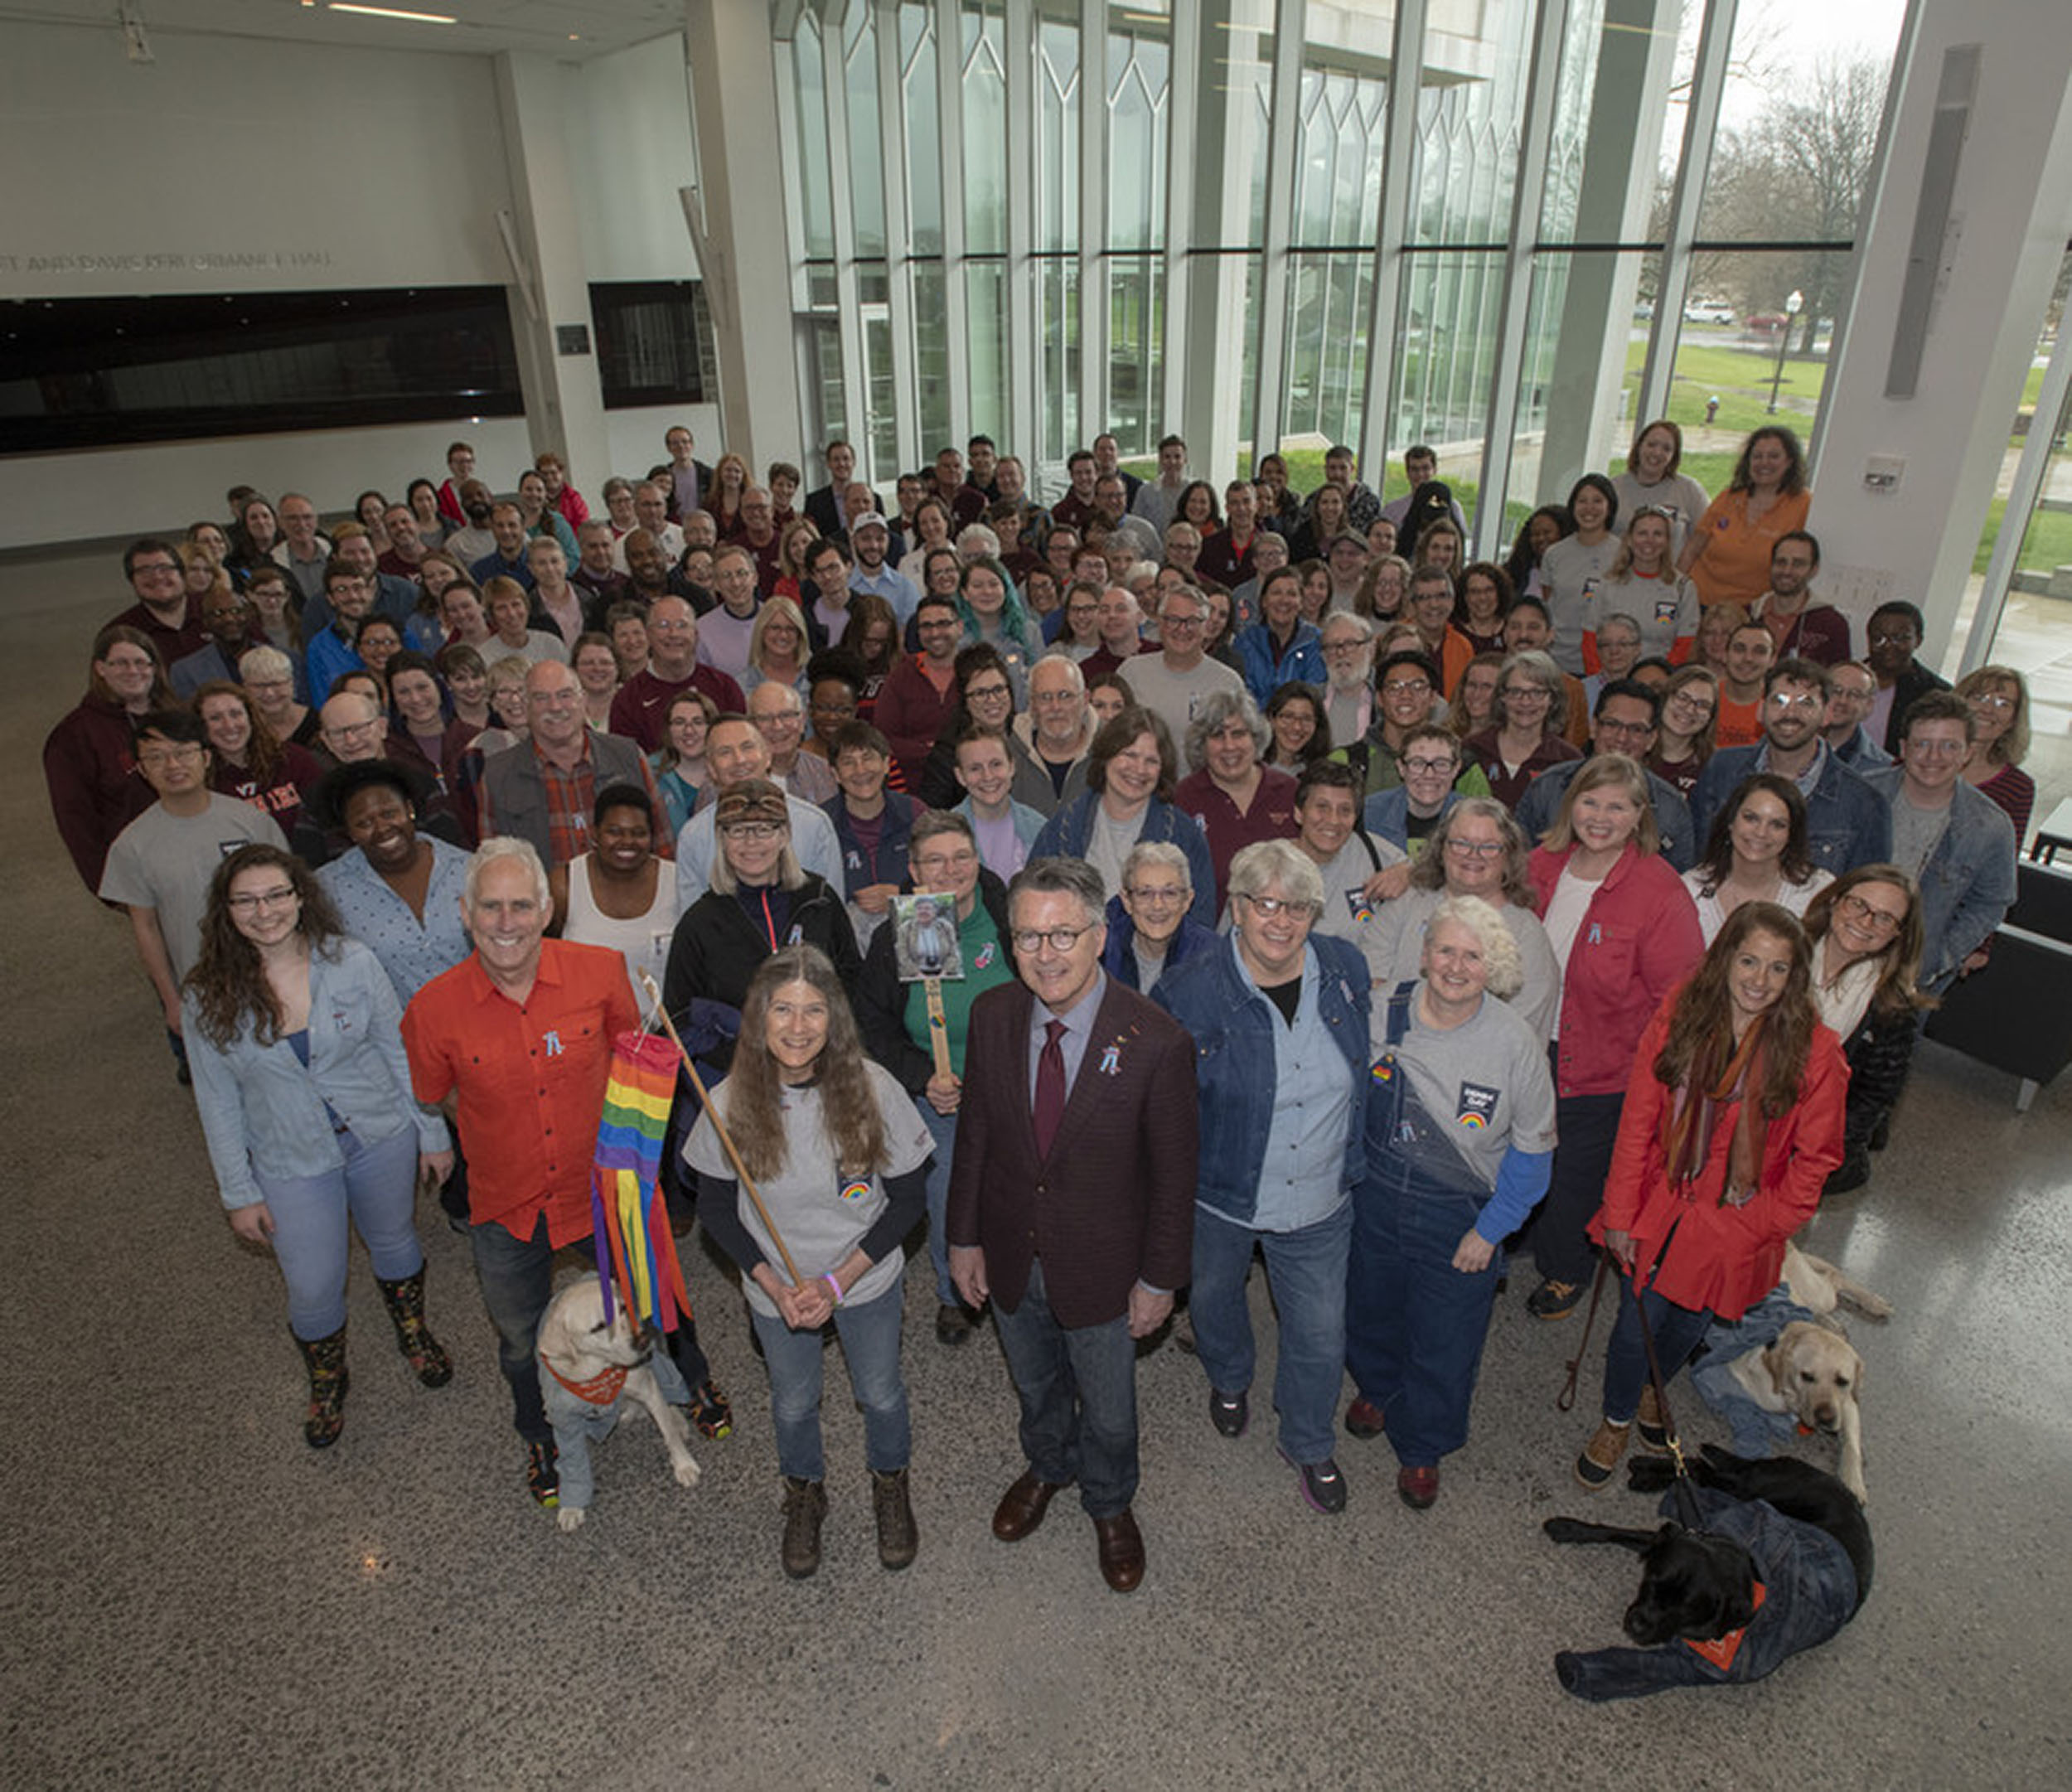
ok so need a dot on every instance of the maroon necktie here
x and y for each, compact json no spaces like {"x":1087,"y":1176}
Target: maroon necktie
{"x":1050,"y":1086}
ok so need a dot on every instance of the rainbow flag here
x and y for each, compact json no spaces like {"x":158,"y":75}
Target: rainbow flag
{"x":629,"y":1218}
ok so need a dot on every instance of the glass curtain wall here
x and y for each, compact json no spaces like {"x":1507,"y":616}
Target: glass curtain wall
{"x":1108,"y":213}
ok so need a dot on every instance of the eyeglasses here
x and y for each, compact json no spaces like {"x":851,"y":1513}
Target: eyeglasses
{"x":1405,"y":687}
{"x":1428,"y":766}
{"x":1935,"y":748}
{"x":756,"y":833}
{"x":150,"y":569}
{"x":1523,"y":694}
{"x":1904,"y":638}
{"x":1266,"y":907}
{"x":1347,"y":646}
{"x":156,"y":759}
{"x":263,"y":899}
{"x":1059,"y":939}
{"x":935,"y":863}
{"x":1171,"y":621}
{"x":1864,"y":915}
{"x":1683,"y":699}
{"x":1475,"y":849}
{"x":973,"y":693}
{"x":1784,"y":705}
{"x":1155,"y":895}
{"x":1982,"y":699}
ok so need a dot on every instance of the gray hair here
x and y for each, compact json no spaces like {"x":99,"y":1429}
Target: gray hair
{"x":1267,"y":862}
{"x":1217,"y":709}
{"x":1541,"y":669}
{"x":1624,"y":620}
{"x":1430,"y":871}
{"x":1158,"y":852}
{"x":1499,"y":951}
{"x":1057,"y":875}
{"x":1058,"y":657}
{"x":974,"y":539}
{"x":494,"y":850}
{"x":1363,"y":629}
{"x":259,"y":664}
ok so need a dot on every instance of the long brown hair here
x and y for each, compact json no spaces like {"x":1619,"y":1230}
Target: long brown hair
{"x":263,"y":752}
{"x":1897,"y":993}
{"x":104,"y":642}
{"x":849,"y":1105}
{"x":228,"y":981}
{"x":1704,"y":1013}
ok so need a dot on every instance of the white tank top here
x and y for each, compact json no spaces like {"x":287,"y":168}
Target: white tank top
{"x":643,"y":941}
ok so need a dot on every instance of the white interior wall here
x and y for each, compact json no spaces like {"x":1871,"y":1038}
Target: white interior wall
{"x":627,"y":125}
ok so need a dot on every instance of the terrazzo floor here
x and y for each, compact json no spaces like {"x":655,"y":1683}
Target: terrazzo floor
{"x":192,"y":1598}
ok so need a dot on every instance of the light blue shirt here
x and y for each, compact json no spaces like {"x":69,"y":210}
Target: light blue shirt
{"x":1302,"y":1179}
{"x":1074,"y":1041}
{"x":896,"y":589}
{"x":411,"y":950}
{"x":262,"y":1111}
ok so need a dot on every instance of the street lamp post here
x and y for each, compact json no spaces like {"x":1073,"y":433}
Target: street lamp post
{"x":1793,"y":306}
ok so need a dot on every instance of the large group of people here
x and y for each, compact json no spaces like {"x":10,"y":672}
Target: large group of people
{"x":1317,"y":890}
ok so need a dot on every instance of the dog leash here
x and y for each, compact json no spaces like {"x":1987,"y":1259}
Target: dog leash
{"x":1686,"y":1500}
{"x":1565,"y":1400}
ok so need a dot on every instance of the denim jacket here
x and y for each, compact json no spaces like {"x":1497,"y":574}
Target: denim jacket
{"x":1234,"y":1026}
{"x":1967,"y":885}
{"x":262,"y":1112}
{"x":1069,"y":829}
{"x":1304,"y":659}
{"x":1847,"y":822}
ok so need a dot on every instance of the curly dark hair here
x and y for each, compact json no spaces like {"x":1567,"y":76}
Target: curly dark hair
{"x":228,"y":981}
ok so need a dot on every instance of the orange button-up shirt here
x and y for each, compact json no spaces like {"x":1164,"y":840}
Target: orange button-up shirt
{"x":529,"y":1080}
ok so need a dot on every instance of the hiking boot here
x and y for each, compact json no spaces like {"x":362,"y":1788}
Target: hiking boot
{"x":898,"y":1538}
{"x":804,"y":1505}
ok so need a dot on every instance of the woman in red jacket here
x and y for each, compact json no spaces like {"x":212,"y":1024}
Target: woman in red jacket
{"x":1625,"y":931}
{"x":1733,"y":1120}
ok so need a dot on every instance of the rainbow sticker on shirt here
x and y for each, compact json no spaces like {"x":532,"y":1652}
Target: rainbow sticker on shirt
{"x":1477,"y":1105}
{"x":1384,"y":1070}
{"x":853,"y":1192}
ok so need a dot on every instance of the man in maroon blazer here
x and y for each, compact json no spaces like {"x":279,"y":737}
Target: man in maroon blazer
{"x":1072,"y":1200}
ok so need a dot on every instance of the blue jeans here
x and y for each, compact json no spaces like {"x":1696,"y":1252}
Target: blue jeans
{"x":1413,"y":1325}
{"x":870,"y":1340}
{"x":1677,"y":1331}
{"x":517,"y":1281}
{"x":942,"y":1128}
{"x":1078,"y":1391}
{"x":1305,"y":1270}
{"x":1589,"y":1127}
{"x":376,"y":1189}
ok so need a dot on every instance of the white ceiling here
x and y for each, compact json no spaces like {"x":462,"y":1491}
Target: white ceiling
{"x":485,"y":27}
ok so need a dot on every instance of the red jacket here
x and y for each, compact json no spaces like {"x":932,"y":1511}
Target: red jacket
{"x":1724,"y":1258}
{"x":1639,"y":939}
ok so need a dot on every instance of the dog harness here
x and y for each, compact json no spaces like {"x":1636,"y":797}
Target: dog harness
{"x":601,"y":1390}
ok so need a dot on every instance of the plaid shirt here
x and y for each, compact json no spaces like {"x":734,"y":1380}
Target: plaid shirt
{"x":571,"y":802}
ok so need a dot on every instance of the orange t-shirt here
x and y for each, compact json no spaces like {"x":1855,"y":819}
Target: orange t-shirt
{"x":1738,"y":724}
{"x":1734,"y":564}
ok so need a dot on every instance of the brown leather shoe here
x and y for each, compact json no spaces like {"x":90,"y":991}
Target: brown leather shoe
{"x":1022,"y":1506}
{"x":1121,"y":1547}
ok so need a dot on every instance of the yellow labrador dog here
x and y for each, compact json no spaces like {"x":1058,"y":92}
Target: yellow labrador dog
{"x":1813,"y":1374}
{"x":589,"y":1371}
{"x":1819,"y":1287}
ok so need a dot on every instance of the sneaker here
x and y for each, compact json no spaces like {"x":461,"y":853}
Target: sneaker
{"x":710,"y":1411}
{"x":1599,"y":1459}
{"x":1322,"y":1486}
{"x":1418,"y":1487}
{"x":1229,"y":1413}
{"x":1363,"y":1418}
{"x":543,"y":1475}
{"x":1553,"y":1300}
{"x":804,"y":1505}
{"x":952,"y":1324}
{"x":898,"y":1538}
{"x":1654,"y":1435}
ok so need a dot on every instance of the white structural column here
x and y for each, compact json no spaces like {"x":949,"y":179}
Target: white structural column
{"x":741,"y":199}
{"x":549,"y":285}
{"x":1270,"y":397}
{"x":1636,"y":59}
{"x":1399,"y":174}
{"x":2011,"y":213}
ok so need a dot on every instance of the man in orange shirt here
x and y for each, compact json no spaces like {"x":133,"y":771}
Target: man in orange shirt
{"x":519,"y":1037}
{"x":1750,"y":651}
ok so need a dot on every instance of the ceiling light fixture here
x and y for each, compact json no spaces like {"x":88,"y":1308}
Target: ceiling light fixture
{"x":392,"y":13}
